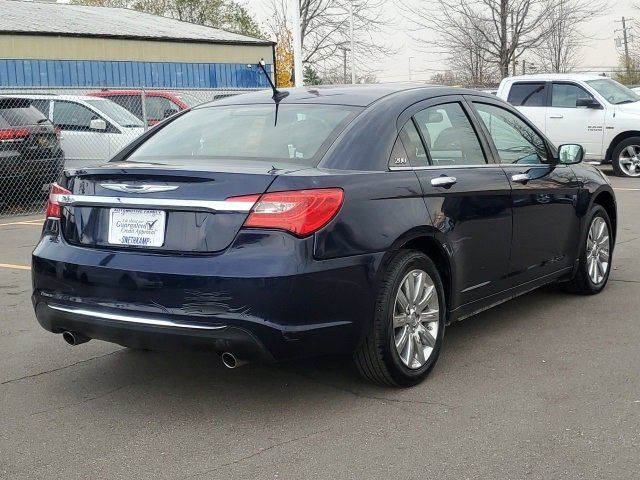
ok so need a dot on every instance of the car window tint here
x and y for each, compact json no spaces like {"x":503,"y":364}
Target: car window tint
{"x":449,"y":135}
{"x":133,"y":103}
{"x":292,"y":133}
{"x":19,"y":117}
{"x":565,"y":95}
{"x":413,"y":145}
{"x":42,"y":105}
{"x":515,"y":141}
{"x":72,"y":116}
{"x":527,"y":94}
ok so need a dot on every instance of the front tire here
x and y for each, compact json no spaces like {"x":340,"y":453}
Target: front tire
{"x":626,"y":158}
{"x":404,"y":342}
{"x":595,"y":255}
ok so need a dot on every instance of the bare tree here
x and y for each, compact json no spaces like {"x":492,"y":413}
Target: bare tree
{"x":559,"y":52}
{"x":499,"y":30}
{"x":325,"y":28}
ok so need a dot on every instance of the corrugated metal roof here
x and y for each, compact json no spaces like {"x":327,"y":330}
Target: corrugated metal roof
{"x":76,"y":20}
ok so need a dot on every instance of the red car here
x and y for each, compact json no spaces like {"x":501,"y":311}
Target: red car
{"x":158,"y":105}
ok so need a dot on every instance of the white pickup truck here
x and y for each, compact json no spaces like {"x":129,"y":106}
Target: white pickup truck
{"x":594,"y":111}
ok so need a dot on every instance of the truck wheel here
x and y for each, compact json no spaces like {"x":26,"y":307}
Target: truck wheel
{"x":626,"y":158}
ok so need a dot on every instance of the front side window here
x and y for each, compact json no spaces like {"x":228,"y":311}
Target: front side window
{"x":120,"y":115}
{"x":530,"y":94}
{"x":515,"y":141}
{"x":449,"y":135}
{"x":72,"y":116}
{"x":158,"y":108}
{"x":291,"y":133}
{"x":565,"y":95}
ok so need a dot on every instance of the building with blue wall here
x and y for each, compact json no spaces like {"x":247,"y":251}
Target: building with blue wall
{"x":59,"y":45}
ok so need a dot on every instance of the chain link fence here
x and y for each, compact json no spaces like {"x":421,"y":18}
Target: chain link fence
{"x":43,"y":131}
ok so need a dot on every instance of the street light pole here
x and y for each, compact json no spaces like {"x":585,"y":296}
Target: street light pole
{"x":297,"y":43}
{"x":410,"y":57}
{"x":353,"y":50}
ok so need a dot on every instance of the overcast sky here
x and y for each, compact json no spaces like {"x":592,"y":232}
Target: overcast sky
{"x":600,"y":53}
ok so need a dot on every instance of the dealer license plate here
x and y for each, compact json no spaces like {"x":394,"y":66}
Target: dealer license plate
{"x":140,"y":228}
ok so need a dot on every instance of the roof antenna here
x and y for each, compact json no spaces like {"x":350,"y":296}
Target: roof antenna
{"x":277,"y":94}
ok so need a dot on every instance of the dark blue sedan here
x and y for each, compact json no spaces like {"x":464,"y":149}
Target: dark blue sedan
{"x":347,"y":220}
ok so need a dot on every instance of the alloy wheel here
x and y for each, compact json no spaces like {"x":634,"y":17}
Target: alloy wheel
{"x":416,"y":319}
{"x":629,"y":160}
{"x":598,"y":250}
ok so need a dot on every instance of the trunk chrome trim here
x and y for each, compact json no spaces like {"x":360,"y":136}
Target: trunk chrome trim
{"x":134,"y":319}
{"x":154,"y":203}
{"x":135,"y":188}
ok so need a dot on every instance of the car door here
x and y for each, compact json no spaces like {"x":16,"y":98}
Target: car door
{"x":531,"y":98}
{"x":467,"y":196}
{"x":82,"y":145}
{"x":544,"y":195}
{"x":568,"y":123}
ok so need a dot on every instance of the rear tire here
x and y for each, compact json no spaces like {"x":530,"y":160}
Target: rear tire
{"x":592,"y":275}
{"x":625,"y":158}
{"x":404,"y":342}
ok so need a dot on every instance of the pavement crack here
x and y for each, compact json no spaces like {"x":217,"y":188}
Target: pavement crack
{"x":59,"y":368}
{"x":623,"y":281}
{"x":627,"y":241}
{"x":257,"y":453}
{"x":86,"y":400}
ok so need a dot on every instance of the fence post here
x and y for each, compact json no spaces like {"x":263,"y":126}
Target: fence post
{"x":143,"y":97}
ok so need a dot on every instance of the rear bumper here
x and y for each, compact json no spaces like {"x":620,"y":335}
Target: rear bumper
{"x":263,"y":299}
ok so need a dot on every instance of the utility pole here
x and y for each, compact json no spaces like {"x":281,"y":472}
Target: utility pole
{"x":344,"y":62}
{"x":297,"y":43}
{"x":524,"y":66}
{"x":626,"y":46}
{"x":353,"y":49}
{"x":513,"y":35}
{"x":410,"y":57}
{"x":625,"y":41}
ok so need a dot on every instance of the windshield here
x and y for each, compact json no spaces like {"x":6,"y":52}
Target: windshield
{"x":300,"y":135}
{"x":613,"y":91}
{"x":118,"y":114}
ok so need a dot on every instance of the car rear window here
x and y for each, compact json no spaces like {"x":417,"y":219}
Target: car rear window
{"x":20,"y":113}
{"x":292,"y":133}
{"x":530,"y":94}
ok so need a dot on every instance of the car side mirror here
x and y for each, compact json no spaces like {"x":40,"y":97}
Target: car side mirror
{"x":587,"y":102}
{"x":570,"y":154}
{"x":98,"y":124}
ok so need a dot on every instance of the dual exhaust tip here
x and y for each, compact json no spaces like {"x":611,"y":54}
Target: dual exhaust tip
{"x":229,"y":360}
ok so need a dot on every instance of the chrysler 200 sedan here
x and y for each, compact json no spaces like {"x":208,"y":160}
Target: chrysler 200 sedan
{"x":349,"y":220}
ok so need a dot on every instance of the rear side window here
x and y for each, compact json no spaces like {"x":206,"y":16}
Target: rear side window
{"x":291,"y":133}
{"x":449,"y":135}
{"x":413,"y":145}
{"x":528,"y":94}
{"x":133,"y":103}
{"x":20,"y":117}
{"x":565,"y":95}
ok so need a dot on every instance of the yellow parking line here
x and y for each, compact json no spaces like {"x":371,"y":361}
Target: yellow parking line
{"x":15,"y":267}
{"x":37,"y":222}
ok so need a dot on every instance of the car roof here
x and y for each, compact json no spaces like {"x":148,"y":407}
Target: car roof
{"x":148,"y":93}
{"x":356,"y":95}
{"x":53,"y":96}
{"x":547,"y":77}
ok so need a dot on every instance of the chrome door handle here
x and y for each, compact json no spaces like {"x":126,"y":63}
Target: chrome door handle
{"x":520,"y":178}
{"x":443,"y":181}
{"x":556,"y":116}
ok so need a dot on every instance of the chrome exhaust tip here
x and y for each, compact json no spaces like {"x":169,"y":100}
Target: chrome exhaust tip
{"x":229,"y":360}
{"x":73,"y":338}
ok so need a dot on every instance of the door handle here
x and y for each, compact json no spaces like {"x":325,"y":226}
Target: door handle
{"x":520,"y":178}
{"x":556,"y":116}
{"x":445,"y":182}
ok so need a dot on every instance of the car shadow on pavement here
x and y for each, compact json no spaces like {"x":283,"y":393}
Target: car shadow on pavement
{"x":200,"y":385}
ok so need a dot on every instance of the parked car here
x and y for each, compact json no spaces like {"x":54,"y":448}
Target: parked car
{"x":596,"y":112}
{"x":30,"y":154}
{"x":92,"y":129}
{"x":158,"y":104}
{"x":327,"y":221}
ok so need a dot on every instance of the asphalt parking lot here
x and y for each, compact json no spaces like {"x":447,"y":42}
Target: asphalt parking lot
{"x":546,"y":386}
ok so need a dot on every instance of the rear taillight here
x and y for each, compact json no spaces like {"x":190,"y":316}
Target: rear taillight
{"x":301,"y":212}
{"x":53,"y":205}
{"x":13,"y":134}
